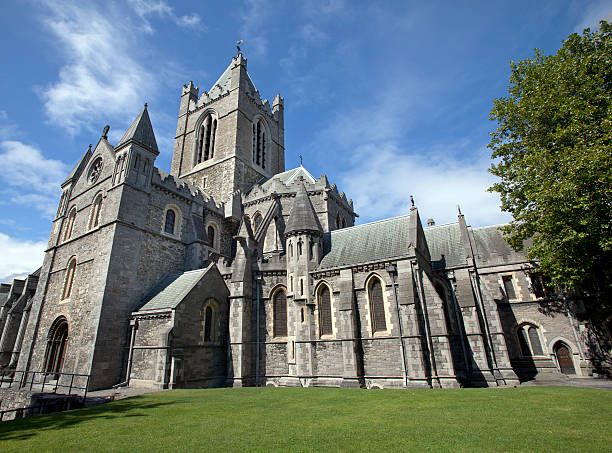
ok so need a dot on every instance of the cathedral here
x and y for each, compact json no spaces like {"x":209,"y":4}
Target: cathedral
{"x":231,"y":270}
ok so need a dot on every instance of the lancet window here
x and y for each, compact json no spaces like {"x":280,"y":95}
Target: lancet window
{"x":206,"y":139}
{"x":259,"y":144}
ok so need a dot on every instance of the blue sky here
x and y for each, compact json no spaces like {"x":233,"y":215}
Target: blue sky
{"x":386,"y":98}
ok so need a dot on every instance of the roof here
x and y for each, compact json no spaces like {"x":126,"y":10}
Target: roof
{"x":288,"y":177}
{"x":446,"y":240}
{"x":141,"y":132}
{"x":492,"y":248}
{"x":374,"y":241}
{"x":303,"y":216}
{"x":171,"y":290}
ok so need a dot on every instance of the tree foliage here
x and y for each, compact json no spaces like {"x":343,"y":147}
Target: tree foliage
{"x":553,"y":155}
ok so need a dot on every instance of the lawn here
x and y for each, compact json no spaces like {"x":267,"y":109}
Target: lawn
{"x":323,"y":419}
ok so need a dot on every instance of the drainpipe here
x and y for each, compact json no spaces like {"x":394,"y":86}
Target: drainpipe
{"x":571,"y":321}
{"x":133,"y":327}
{"x":392,"y":270}
{"x":257,"y":289}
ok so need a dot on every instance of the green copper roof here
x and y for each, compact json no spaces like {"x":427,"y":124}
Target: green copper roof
{"x":374,"y":241}
{"x":171,"y":290}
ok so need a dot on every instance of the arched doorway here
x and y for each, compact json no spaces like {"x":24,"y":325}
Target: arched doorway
{"x":564,"y":358}
{"x":56,"y":346}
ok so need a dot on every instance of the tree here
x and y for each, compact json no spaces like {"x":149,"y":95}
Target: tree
{"x":553,"y":154}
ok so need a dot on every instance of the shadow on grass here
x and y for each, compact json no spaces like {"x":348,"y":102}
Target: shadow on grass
{"x":31,"y":426}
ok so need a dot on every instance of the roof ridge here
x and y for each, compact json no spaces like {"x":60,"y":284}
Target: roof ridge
{"x":371,"y":223}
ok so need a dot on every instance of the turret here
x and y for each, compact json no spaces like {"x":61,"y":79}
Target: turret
{"x":136,"y":152}
{"x":303,"y":237}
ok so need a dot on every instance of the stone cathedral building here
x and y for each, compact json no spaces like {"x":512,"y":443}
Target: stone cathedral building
{"x":233,"y":271}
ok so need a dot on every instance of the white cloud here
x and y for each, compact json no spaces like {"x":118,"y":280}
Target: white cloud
{"x":30,"y":178}
{"x":160,"y":8}
{"x":595,"y":12}
{"x":19,"y":257}
{"x":100,"y":75}
{"x":383,"y":177}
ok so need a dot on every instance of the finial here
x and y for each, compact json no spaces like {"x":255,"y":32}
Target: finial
{"x":238,"y":47}
{"x":459,"y":209}
{"x":146,"y":105}
{"x":301,"y":160}
{"x":89,"y":147}
{"x":411,"y":201}
{"x":105,"y":132}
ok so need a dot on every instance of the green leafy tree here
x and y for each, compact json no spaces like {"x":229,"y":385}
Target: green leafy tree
{"x":553,"y":155}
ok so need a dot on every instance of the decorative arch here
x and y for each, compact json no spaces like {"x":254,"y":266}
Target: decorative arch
{"x":261,"y":141}
{"x":279,"y":311}
{"x":206,"y":132}
{"x":70,"y":223}
{"x":210,"y":321}
{"x":95,"y":212}
{"x":172,"y":220}
{"x":69,"y":278}
{"x":57,"y":342}
{"x":324,"y":307}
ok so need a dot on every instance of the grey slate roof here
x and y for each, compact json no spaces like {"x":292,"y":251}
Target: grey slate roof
{"x":303,"y":216}
{"x":446,"y":240}
{"x":374,"y":241}
{"x":492,"y":248}
{"x":141,"y":132}
{"x":171,"y":290}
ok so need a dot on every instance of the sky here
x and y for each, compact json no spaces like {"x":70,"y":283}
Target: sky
{"x":388,"y":99}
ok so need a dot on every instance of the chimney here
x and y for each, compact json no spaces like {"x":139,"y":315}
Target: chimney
{"x":430,"y":222}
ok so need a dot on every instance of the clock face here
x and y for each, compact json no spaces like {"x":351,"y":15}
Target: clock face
{"x":95,"y":170}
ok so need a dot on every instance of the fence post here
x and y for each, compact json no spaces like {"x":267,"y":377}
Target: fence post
{"x":32,"y":381}
{"x":42,"y":390}
{"x":57,"y":382}
{"x":71,"y":381}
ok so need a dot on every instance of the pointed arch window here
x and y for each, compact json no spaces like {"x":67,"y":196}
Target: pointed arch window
{"x":299,"y":248}
{"x":210,"y":231}
{"x":70,"y":224}
{"x":94,"y":215}
{"x":259,"y":143}
{"x":377,"y":306}
{"x":529,"y":340}
{"x":325,"y":313}
{"x":170,"y":220}
{"x":279,"y":302}
{"x":257,"y":221}
{"x":57,"y":341}
{"x":206,"y":139}
{"x":338,"y":224}
{"x":210,"y":320}
{"x":69,"y":278}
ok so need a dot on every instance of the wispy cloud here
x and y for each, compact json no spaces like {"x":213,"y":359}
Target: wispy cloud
{"x":99,"y":76}
{"x":19,"y":257}
{"x":595,"y":12}
{"x":147,"y":8}
{"x":253,"y":29}
{"x":382,"y":178}
{"x":29,"y":178}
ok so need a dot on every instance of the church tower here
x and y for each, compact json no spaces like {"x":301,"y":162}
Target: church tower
{"x":228,"y":138}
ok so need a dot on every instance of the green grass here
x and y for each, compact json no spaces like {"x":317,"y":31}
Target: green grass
{"x":319,"y":419}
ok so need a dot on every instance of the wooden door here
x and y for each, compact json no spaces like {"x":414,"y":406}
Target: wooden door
{"x":564,"y":359}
